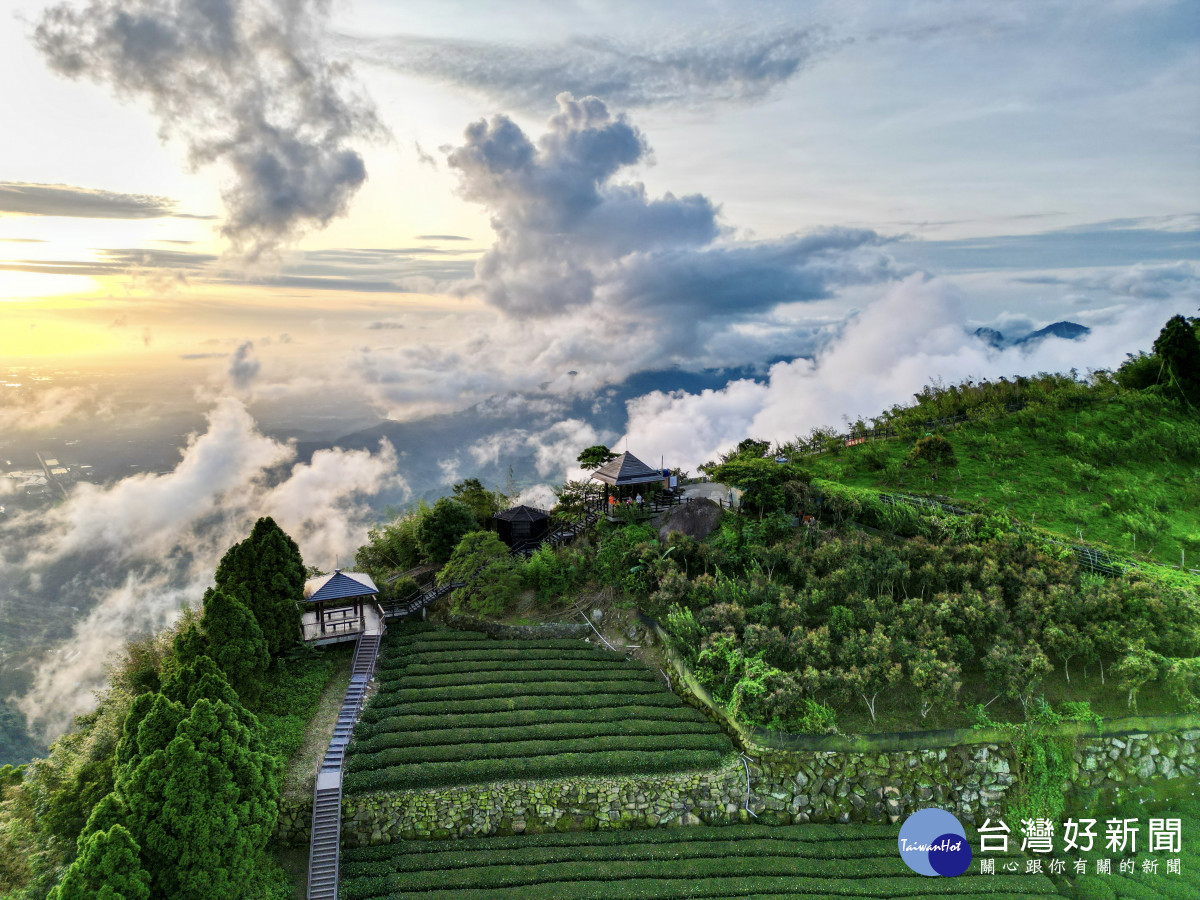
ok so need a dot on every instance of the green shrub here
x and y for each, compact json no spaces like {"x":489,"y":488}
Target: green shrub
{"x":500,"y":691}
{"x":416,"y":669}
{"x":1093,"y":887}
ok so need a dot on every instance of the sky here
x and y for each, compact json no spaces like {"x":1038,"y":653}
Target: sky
{"x":664,"y":227}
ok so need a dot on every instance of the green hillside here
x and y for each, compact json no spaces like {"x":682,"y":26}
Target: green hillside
{"x":1116,"y":468}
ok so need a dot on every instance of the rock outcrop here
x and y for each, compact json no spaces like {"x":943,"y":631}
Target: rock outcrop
{"x":696,"y":519}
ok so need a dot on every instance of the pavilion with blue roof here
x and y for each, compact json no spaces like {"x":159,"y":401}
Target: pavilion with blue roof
{"x":340,"y":607}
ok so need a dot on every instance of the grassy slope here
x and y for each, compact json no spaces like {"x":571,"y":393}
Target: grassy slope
{"x":1034,"y":474}
{"x":459,"y":708}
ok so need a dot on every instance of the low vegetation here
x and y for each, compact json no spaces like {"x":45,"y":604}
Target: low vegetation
{"x":459,"y":707}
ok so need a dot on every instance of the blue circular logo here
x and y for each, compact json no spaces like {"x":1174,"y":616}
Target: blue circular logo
{"x":933,"y":842}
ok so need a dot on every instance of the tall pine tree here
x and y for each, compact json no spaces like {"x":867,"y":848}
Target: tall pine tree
{"x":267,"y":571}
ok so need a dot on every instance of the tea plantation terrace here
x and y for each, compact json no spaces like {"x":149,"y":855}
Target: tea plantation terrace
{"x":737,"y":861}
{"x":456,"y":707}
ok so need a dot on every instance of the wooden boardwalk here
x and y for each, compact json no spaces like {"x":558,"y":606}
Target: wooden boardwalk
{"x":325,"y":840}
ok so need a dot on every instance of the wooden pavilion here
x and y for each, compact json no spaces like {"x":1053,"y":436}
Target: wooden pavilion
{"x":626,"y":475}
{"x":521,"y":523}
{"x":340,"y":607}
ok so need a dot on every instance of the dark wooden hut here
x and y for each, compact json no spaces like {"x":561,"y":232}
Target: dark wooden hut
{"x":522,"y":523}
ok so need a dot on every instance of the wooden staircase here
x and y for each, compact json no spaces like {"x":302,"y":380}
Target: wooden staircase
{"x":325,"y":840}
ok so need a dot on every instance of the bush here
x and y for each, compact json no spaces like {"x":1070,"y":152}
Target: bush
{"x":553,"y":573}
{"x":382,"y":708}
{"x":491,"y":578}
{"x":1093,"y":887}
{"x":548,"y":672}
{"x":579,"y":666}
{"x":502,"y":691}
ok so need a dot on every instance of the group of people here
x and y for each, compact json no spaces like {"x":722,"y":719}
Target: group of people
{"x":612,"y":502}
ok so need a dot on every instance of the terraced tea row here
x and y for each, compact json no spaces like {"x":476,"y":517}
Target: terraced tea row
{"x":738,"y":861}
{"x":459,"y":708}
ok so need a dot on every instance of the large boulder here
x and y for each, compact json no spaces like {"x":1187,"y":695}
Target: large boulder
{"x":697,"y":519}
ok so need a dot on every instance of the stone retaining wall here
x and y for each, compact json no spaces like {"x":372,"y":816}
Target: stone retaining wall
{"x":562,"y":804}
{"x":294,"y":825}
{"x":969,"y":780}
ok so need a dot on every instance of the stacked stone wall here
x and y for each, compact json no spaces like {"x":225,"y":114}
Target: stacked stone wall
{"x":786,"y":786}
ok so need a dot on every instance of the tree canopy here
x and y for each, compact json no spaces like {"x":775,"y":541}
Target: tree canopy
{"x":235,"y":642}
{"x":202,"y":801}
{"x":107,"y":868}
{"x":490,"y":575}
{"x":594,"y":457}
{"x":267,"y":572}
{"x":439,"y":532}
{"x":483,"y":503}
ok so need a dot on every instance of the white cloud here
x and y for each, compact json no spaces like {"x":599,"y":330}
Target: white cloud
{"x":916,"y":332}
{"x":135,"y":552}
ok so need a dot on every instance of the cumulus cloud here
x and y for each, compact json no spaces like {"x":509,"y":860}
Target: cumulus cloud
{"x":590,"y":279}
{"x":241,"y":82}
{"x":539,"y":496}
{"x":569,"y":235}
{"x":133,"y":553}
{"x":554,"y":448}
{"x":689,"y":69}
{"x":24,"y":199}
{"x":915,"y":332}
{"x":244,"y":365}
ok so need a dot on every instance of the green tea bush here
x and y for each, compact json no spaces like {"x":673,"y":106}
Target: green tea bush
{"x":440,"y":774}
{"x":389,"y":721}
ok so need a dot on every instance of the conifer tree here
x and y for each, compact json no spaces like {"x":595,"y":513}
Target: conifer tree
{"x":235,"y":643}
{"x":107,"y":868}
{"x":200,"y":679}
{"x":203,"y":806}
{"x":267,"y":571}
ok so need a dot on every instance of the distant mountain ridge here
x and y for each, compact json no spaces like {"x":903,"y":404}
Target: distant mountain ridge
{"x":1068,"y":331}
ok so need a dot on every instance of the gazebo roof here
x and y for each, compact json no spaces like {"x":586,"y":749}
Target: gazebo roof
{"x":523,"y":514}
{"x":626,"y":469}
{"x":338,"y":586}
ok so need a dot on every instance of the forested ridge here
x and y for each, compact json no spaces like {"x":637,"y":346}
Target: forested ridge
{"x":171,"y":787}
